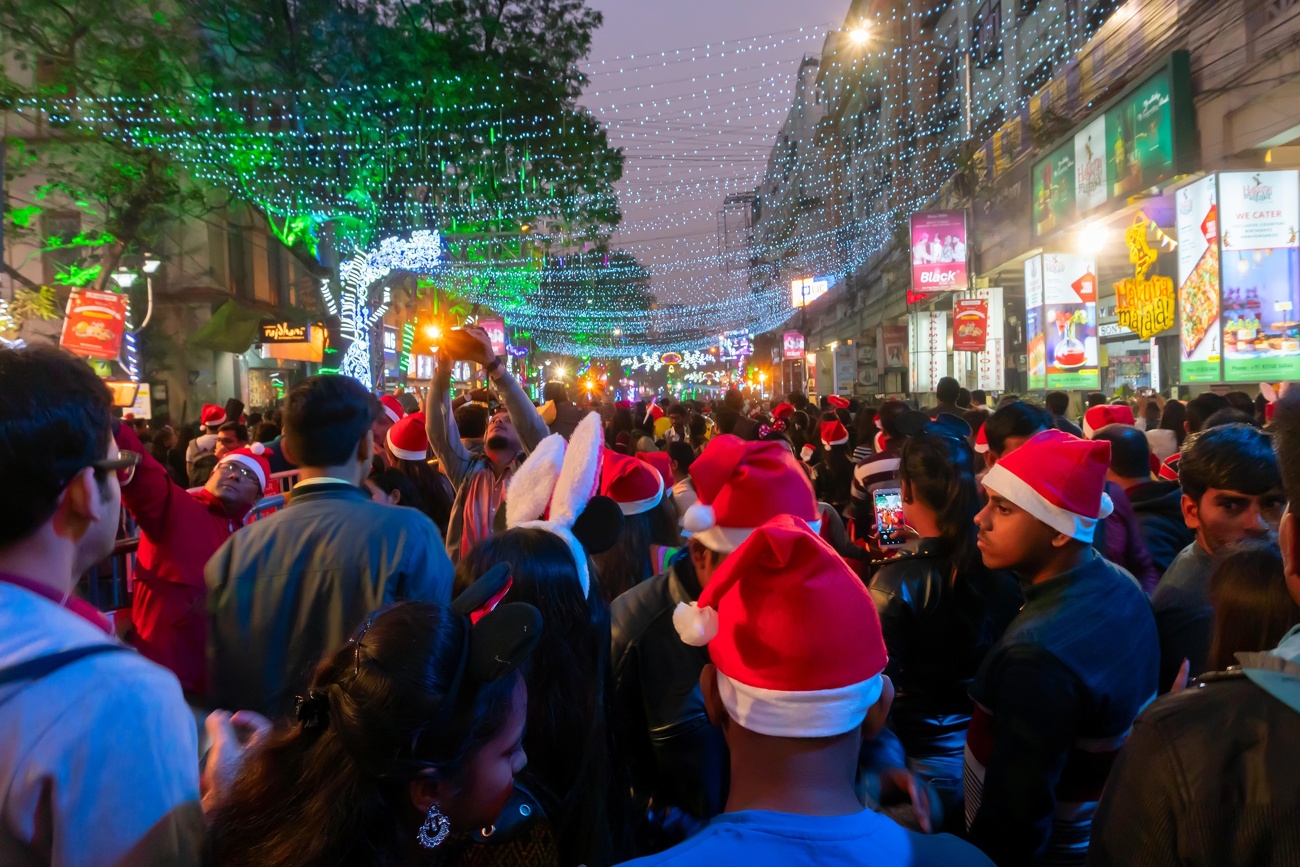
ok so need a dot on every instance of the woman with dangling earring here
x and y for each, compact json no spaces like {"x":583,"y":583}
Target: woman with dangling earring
{"x":410,"y":732}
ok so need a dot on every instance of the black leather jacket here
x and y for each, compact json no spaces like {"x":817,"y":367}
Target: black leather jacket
{"x":937,"y":633}
{"x":1208,"y":777}
{"x":677,"y":758}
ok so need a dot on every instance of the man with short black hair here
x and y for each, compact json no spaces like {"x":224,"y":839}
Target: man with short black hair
{"x":947,"y":391}
{"x":1058,"y":404}
{"x":681,"y":456}
{"x":98,"y":757}
{"x":294,"y":585}
{"x":1232,"y":490}
{"x":471,"y":422}
{"x":230,"y":436}
{"x":1207,"y":776}
{"x":1096,"y":398}
{"x":1199,"y":410}
{"x":1012,"y":426}
{"x":1157,"y":504}
{"x":979,"y":400}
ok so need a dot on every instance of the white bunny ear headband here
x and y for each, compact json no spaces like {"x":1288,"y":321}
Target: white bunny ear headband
{"x":562,"y":476}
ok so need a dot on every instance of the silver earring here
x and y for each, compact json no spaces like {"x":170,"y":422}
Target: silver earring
{"x":435,"y":829}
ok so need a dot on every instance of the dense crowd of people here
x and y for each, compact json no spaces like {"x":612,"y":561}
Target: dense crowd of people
{"x":476,"y":630}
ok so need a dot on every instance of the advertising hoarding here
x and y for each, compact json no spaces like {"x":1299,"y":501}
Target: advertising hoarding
{"x":970,"y":324}
{"x":94,"y":323}
{"x":792,"y":346}
{"x":1144,"y":303}
{"x":939,"y":252}
{"x":893,"y":342}
{"x":1035,"y":339}
{"x":1070,"y":321}
{"x":927,"y":337}
{"x":806,"y":290}
{"x":1199,"y":334}
{"x":1259,"y":217}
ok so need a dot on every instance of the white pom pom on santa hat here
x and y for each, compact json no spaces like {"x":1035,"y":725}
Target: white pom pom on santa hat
{"x":697,"y":626}
{"x":698,"y":518}
{"x":257,"y":448}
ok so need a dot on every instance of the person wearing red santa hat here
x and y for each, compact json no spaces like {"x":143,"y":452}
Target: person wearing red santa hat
{"x":676,"y":761}
{"x":833,"y":472}
{"x":388,"y":412}
{"x":179,"y":532}
{"x":795,"y":683}
{"x":1057,"y":695}
{"x":407,"y":449}
{"x":649,"y":536}
{"x":212,"y":417}
{"x":1098,"y":417}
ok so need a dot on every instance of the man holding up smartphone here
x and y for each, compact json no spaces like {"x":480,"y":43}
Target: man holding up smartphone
{"x":479,"y":478}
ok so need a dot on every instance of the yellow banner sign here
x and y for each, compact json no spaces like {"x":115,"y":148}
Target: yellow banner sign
{"x":1145,"y":304}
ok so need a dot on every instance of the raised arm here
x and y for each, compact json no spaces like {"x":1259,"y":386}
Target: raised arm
{"x":149,"y":496}
{"x":440,"y":424}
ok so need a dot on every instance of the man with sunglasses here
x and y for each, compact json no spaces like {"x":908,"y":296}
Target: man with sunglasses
{"x":97,"y":760}
{"x":179,"y":531}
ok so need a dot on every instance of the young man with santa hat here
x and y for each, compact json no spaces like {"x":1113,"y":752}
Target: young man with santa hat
{"x":1056,"y":696}
{"x":212,"y":417}
{"x":179,"y":531}
{"x":677,"y":761}
{"x":795,"y":683}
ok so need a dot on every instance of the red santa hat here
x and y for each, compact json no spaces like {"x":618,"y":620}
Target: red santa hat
{"x":838,"y":402}
{"x":834,"y":433}
{"x":635,"y":485}
{"x":408,"y":440}
{"x":793,"y":632}
{"x":212,"y":415}
{"x":623,"y":404}
{"x":1059,"y":479}
{"x":254,"y":457}
{"x":982,"y":441}
{"x":782,"y":411}
{"x":1098,"y":417}
{"x":392,"y":408}
{"x":661,"y":463}
{"x":741,"y":486}
{"x":653,"y":412}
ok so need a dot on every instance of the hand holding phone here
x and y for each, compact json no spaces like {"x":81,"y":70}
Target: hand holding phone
{"x":891,"y":529}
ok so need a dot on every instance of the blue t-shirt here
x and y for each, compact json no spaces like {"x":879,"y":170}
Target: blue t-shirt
{"x":758,"y":838}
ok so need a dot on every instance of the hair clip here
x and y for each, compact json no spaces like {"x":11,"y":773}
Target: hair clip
{"x":356,"y":658}
{"x":313,"y":710}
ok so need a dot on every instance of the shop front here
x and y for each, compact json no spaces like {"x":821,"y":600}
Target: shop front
{"x":282,"y":357}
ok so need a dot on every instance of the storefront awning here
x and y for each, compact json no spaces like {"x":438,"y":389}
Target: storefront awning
{"x":232,"y":328}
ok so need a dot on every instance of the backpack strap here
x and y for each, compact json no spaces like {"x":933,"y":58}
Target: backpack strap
{"x":41,"y":666}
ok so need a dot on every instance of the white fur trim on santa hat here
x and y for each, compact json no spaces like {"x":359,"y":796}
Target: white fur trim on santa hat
{"x":246,"y":461}
{"x":724,"y":540}
{"x":636,"y":507}
{"x":392,"y":416}
{"x":698,"y":518}
{"x":816,"y":713}
{"x":837,"y":442}
{"x":1017,"y":490}
{"x":404,"y":454}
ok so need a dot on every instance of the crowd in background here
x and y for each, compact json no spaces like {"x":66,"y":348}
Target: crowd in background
{"x":482,"y":630}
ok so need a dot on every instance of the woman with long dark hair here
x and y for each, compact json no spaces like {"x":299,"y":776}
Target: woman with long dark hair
{"x":940,"y":609}
{"x":650,"y":524}
{"x":408,"y":452}
{"x":833,"y":473}
{"x":411,"y":731}
{"x":1252,"y":608}
{"x":567,"y":740}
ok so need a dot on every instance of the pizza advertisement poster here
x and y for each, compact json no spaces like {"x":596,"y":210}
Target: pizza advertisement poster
{"x":1259,"y":215}
{"x":94,"y":324}
{"x":1035,"y":339}
{"x":1200,"y":336}
{"x":970,"y":325}
{"x":1070,"y":321}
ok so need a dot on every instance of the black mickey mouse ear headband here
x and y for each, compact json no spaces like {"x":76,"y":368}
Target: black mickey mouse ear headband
{"x":499,"y":637}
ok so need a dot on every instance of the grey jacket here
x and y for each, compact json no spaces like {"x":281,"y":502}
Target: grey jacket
{"x":293,"y":587}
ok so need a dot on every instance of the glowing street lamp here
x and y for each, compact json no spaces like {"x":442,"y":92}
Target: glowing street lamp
{"x":860,"y":34}
{"x":124,"y":277}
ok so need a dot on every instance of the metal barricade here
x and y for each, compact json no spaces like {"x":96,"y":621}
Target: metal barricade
{"x":107,"y":584}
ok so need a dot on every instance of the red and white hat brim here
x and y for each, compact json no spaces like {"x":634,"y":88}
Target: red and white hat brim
{"x":405,"y":454}
{"x":838,"y":442}
{"x":636,"y":507}
{"x":215,"y":422}
{"x":1003,"y":482}
{"x":817,"y":713}
{"x":251,"y":463}
{"x":724,"y":540}
{"x":392,"y":416}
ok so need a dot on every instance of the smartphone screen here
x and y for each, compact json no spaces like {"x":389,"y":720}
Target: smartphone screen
{"x":889,"y":516}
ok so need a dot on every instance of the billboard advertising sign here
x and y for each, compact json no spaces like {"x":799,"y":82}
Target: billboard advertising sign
{"x":1035,"y":338}
{"x":927,"y":349}
{"x":970,"y":324}
{"x":1198,"y":282}
{"x":792,"y":345}
{"x":939,"y":252}
{"x":94,"y":324}
{"x":496,"y":332}
{"x":1144,"y":302}
{"x":1070,"y":321}
{"x":1259,"y":218}
{"x":806,"y":290}
{"x":893,"y":342}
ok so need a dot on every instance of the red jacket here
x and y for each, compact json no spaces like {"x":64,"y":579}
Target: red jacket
{"x":179,"y":533}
